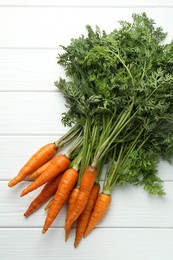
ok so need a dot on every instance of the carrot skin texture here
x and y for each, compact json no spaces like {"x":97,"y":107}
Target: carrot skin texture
{"x":39,"y":171}
{"x":85,"y":215}
{"x":86,"y":185}
{"x":65,"y":187}
{"x":49,"y":189}
{"x":71,"y":202}
{"x":43,"y":155}
{"x":49,"y":204}
{"x":101,"y":206}
{"x":58,"y":165}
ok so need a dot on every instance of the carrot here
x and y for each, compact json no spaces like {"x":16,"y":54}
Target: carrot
{"x":49,"y":189}
{"x":39,"y":171}
{"x":87,"y":182}
{"x":100,"y":208}
{"x":49,"y":204}
{"x":71,"y":202}
{"x":85,"y":215}
{"x":65,"y":187}
{"x":43,"y":155}
{"x":57,"y":166}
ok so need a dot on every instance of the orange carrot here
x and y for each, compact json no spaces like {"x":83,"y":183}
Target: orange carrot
{"x":65,"y":187}
{"x":49,"y":189}
{"x":49,"y":204}
{"x":85,"y":215}
{"x":100,"y":208}
{"x":87,"y":182}
{"x":57,"y":166}
{"x":71,"y":202}
{"x":39,"y":171}
{"x":43,"y":155}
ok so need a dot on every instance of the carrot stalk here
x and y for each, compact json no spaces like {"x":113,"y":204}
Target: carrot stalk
{"x":43,"y":155}
{"x":71,"y":202}
{"x":101,"y":206}
{"x":85,"y":215}
{"x":58,"y":165}
{"x":87,"y":182}
{"x":65,"y":187}
{"x":39,"y":171}
{"x":49,"y":189}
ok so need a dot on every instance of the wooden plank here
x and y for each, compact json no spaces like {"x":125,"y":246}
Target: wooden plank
{"x":29,"y":70}
{"x":32,"y":112}
{"x":130,"y":207}
{"x":76,"y":3}
{"x":65,"y":23}
{"x":17,"y":150}
{"x":122,"y":244}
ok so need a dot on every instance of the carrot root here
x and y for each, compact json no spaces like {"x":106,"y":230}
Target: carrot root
{"x":43,"y":155}
{"x":58,"y":165}
{"x":101,"y":206}
{"x":65,"y":187}
{"x":71,"y":202}
{"x":87,"y":183}
{"x":85,"y":215}
{"x":49,"y":189}
{"x":39,"y":171}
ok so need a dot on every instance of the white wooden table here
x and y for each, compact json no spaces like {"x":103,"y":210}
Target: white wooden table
{"x":138,"y":226}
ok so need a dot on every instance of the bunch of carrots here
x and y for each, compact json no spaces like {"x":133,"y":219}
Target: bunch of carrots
{"x":119,"y":96}
{"x":61,"y":176}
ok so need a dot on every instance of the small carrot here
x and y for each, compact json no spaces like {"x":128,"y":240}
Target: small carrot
{"x":100,"y":208}
{"x":85,"y":215}
{"x":65,"y":187}
{"x":57,"y":166}
{"x":39,"y":171}
{"x":49,"y":204}
{"x":87,"y":182}
{"x":49,"y":189}
{"x":43,"y":155}
{"x":71,"y":202}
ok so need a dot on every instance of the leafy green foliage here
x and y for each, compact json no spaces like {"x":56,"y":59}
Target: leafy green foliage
{"x":123,"y":79}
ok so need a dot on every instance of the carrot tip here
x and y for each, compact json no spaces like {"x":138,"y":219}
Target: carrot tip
{"x":85,"y":235}
{"x":43,"y":231}
{"x":24,"y":192}
{"x":66,"y":237}
{"x":75,"y":245}
{"x":10,"y":184}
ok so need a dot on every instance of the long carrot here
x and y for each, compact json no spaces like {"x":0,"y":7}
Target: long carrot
{"x":101,"y":206}
{"x":43,"y":155}
{"x":85,"y":215}
{"x":71,"y":203}
{"x":65,"y":187}
{"x":87,"y":182}
{"x":49,"y":189}
{"x":39,"y":171}
{"x":57,"y":166}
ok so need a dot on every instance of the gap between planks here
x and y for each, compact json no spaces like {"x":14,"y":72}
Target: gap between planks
{"x":106,"y":228}
{"x":87,"y":6}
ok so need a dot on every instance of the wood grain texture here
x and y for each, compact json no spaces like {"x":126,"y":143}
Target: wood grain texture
{"x":130,"y":207}
{"x":17,"y":150}
{"x":29,"y":70}
{"x":63,"y":24}
{"x":32,"y":112}
{"x":137,"y":226}
{"x":121,"y":244}
{"x":95,"y":3}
